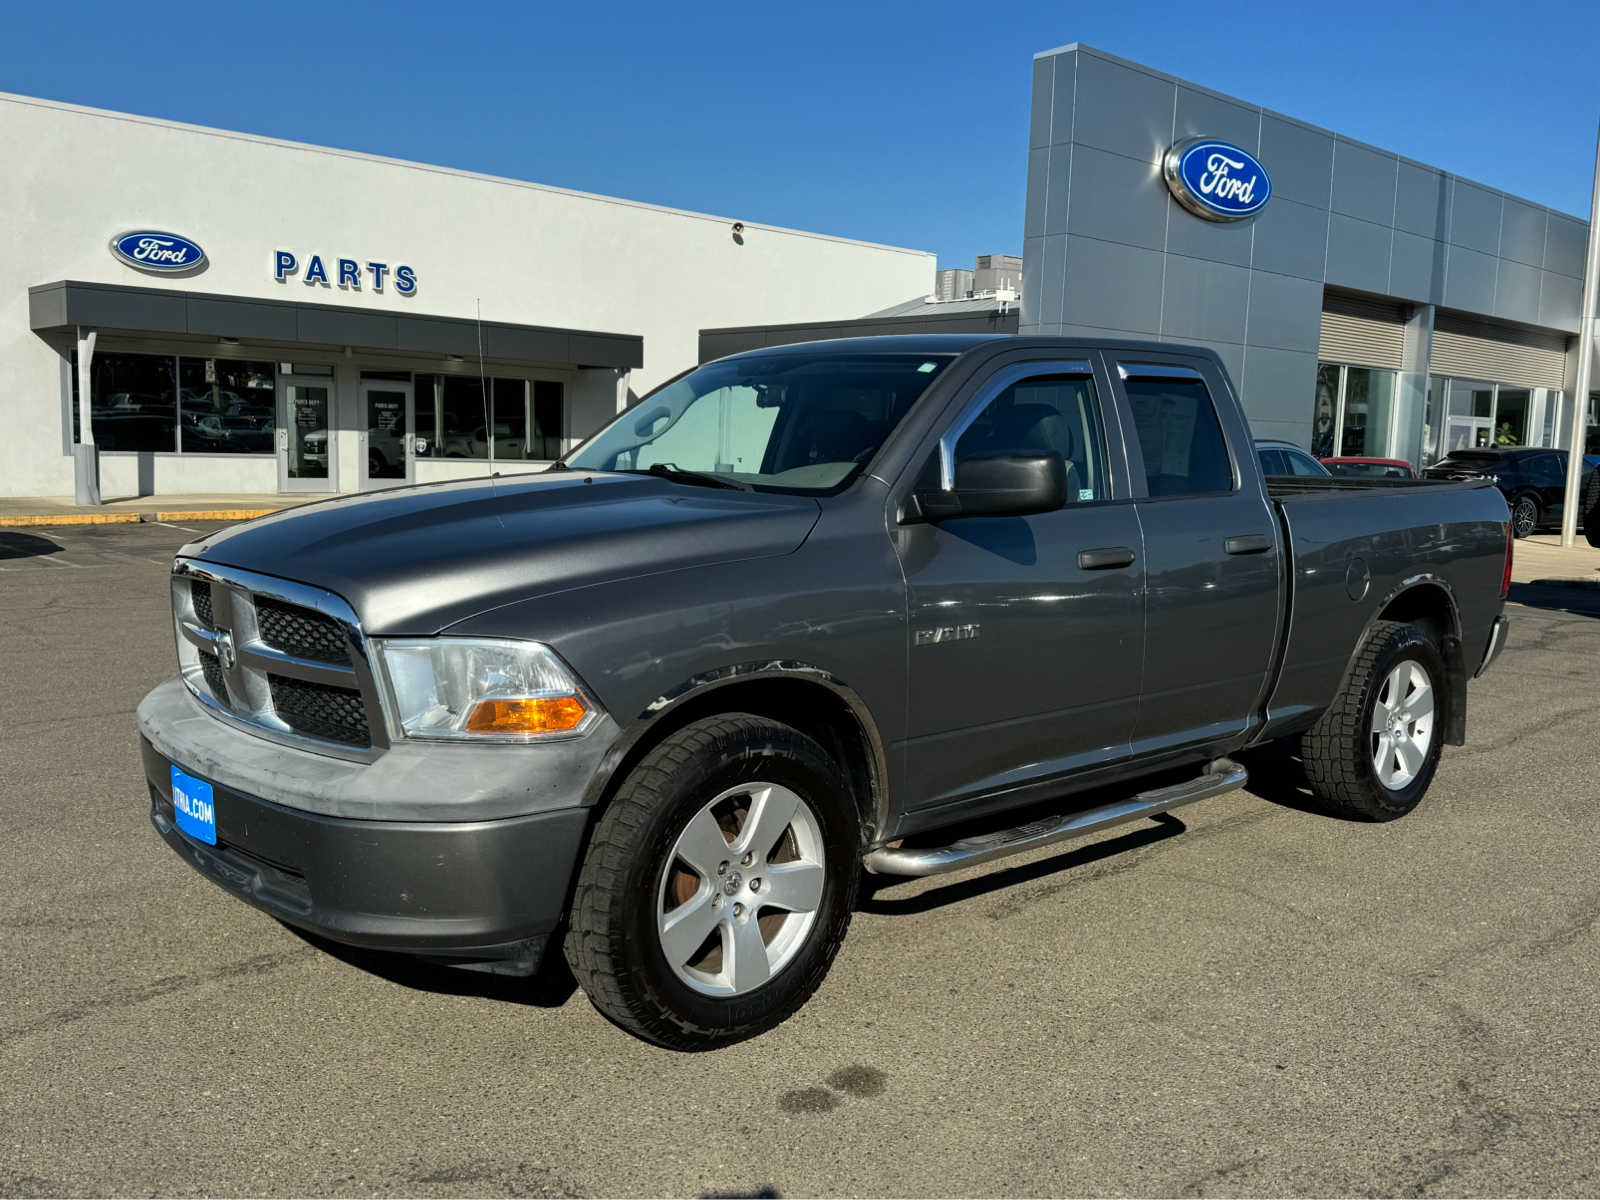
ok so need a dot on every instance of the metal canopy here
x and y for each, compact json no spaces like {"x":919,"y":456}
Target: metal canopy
{"x":67,"y":305}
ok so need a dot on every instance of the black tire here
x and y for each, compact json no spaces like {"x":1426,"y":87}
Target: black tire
{"x":1591,"y":509}
{"x":1338,"y":750}
{"x":613,"y":945}
{"x":1525,"y":516}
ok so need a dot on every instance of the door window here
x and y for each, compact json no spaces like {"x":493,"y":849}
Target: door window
{"x":1301,"y":463}
{"x":1272,"y":462}
{"x":1040,"y":415}
{"x":1180,"y":436}
{"x":307,"y":431}
{"x":386,"y":432}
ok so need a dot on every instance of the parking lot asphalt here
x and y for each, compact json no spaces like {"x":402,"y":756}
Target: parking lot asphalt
{"x":1252,"y":999}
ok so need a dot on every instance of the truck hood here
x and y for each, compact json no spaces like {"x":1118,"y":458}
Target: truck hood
{"x":415,"y":560}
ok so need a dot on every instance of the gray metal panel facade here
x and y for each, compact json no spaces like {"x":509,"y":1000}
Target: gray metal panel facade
{"x":1107,"y":249}
{"x":57,"y":307}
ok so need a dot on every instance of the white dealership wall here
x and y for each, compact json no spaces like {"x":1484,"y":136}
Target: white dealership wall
{"x":528,"y":254}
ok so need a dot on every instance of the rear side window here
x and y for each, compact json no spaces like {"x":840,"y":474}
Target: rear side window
{"x":1272,"y":462}
{"x":1304,"y":464}
{"x":1546,"y":469}
{"x":1180,"y":436}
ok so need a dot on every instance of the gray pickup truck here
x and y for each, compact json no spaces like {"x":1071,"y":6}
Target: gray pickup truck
{"x":907,"y":603}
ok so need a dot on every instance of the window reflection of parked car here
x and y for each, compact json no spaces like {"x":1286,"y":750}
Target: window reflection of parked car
{"x":1370,"y":468}
{"x":314,"y":451}
{"x":508,"y":444}
{"x":385,"y":448}
{"x":231,"y":435}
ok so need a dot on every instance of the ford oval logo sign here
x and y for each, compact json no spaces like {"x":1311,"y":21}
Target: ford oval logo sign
{"x":1217,"y":180}
{"x":161,"y":253}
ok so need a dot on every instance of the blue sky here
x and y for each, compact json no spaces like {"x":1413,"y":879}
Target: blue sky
{"x":903,"y":123}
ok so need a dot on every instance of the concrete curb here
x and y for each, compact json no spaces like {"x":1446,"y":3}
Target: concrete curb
{"x":175,"y":515}
{"x":212,"y":514}
{"x":74,"y":519}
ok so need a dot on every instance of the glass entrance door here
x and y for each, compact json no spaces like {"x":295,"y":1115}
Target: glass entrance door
{"x":387,"y":419}
{"x":306,"y":457}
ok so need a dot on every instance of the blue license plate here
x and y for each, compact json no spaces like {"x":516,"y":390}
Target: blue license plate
{"x":195,"y":809}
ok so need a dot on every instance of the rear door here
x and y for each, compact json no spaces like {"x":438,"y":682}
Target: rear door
{"x":1026,"y":632}
{"x":1212,"y":551}
{"x":1547,"y":473}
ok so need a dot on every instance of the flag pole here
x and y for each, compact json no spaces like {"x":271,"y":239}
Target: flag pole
{"x":1580,"y":399}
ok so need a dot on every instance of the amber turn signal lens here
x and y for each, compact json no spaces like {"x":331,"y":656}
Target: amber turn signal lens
{"x":559,"y":714}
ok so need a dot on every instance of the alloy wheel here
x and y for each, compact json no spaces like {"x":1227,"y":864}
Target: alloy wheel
{"x":740,"y":891}
{"x":1402,"y":725}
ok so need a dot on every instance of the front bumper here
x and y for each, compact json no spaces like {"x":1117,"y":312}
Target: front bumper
{"x":487,"y":890}
{"x":1497,"y":643}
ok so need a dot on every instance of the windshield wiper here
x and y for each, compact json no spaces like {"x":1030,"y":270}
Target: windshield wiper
{"x":677,"y":474}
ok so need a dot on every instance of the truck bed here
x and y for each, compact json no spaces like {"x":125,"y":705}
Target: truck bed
{"x":1353,"y":544}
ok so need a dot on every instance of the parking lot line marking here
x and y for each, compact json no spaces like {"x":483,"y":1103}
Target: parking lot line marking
{"x":170,"y":525}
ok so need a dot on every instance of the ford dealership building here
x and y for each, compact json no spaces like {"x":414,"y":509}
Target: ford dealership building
{"x":254,"y":315}
{"x":1365,"y":303}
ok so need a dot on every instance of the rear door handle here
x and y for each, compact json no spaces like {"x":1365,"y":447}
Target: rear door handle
{"x":1105,"y":558}
{"x":1248,"y":543}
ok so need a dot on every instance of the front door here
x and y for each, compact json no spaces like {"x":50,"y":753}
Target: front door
{"x":1027,"y":633}
{"x":387,"y":419}
{"x":307,"y":458}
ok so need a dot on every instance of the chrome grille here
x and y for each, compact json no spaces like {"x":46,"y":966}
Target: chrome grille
{"x":287,"y":660}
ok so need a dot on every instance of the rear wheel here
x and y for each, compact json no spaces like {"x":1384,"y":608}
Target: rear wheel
{"x":1373,"y":753}
{"x":1524,"y":516}
{"x":718,"y":885}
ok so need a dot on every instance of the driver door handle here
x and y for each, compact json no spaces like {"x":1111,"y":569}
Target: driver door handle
{"x":1105,"y":558}
{"x":1248,"y":543}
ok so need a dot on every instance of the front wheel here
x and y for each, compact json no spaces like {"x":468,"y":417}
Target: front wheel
{"x":718,"y":885}
{"x":1373,"y":753}
{"x":1524,"y":516}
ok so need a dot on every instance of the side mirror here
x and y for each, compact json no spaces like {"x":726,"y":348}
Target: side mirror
{"x":1007,"y":485}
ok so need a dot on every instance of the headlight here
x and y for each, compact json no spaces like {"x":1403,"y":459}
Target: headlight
{"x":481,"y":689}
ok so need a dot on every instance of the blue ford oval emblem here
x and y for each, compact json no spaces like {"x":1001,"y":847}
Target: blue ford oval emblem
{"x":163,"y":253}
{"x":1217,"y":180}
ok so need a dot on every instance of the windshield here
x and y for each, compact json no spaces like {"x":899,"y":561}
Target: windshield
{"x":803,"y":422}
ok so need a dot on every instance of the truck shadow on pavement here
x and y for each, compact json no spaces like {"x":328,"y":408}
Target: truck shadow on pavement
{"x":25,"y":545}
{"x":1578,"y":597}
{"x":550,"y":987}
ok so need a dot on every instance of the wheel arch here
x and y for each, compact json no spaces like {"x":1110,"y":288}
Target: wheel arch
{"x":1427,"y":600}
{"x":800,"y":694}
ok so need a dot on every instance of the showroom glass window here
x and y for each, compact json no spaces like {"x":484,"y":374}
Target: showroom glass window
{"x":164,"y":403}
{"x":226,"y":406}
{"x":451,"y":416}
{"x":1352,"y":411}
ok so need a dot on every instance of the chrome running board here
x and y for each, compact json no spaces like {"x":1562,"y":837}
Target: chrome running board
{"x":1223,"y":775}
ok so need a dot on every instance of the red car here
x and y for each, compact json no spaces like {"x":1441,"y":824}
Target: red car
{"x":1370,"y":468}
